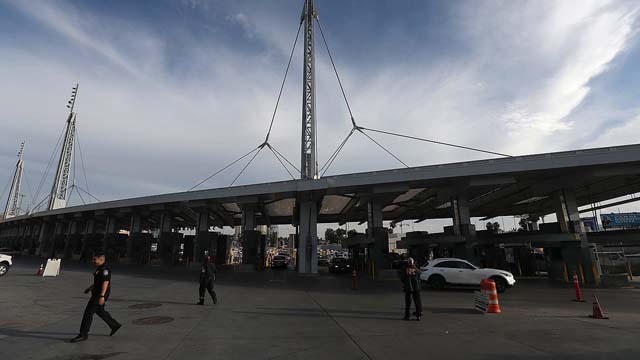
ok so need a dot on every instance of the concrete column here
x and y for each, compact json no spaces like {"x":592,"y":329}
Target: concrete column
{"x":135,"y":231}
{"x":250,"y":237}
{"x":567,"y":212}
{"x":462,"y":227}
{"x":33,"y":238}
{"x":222,"y":249}
{"x":248,"y":218}
{"x":575,"y":256}
{"x":308,"y":237}
{"x":109,"y":233}
{"x":87,"y":239}
{"x":165,"y":240}
{"x":71,"y":239}
{"x":203,"y":237}
{"x":378,"y":233}
{"x":26,"y":237}
{"x":18,"y":238}
{"x":44,"y":238}
{"x":58,"y":235}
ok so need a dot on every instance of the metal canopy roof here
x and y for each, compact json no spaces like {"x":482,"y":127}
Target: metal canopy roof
{"x":494,"y":187}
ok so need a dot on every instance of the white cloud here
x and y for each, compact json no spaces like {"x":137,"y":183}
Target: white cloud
{"x":147,"y":128}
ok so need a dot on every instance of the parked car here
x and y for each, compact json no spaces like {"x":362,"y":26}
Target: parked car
{"x":323,"y":261}
{"x":442,"y":272}
{"x":5,"y":264}
{"x":10,"y":252}
{"x":279,"y":262}
{"x":339,"y":265}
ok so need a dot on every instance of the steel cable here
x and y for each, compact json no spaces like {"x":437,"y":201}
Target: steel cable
{"x":335,"y":153}
{"x":285,"y":159}
{"x":49,"y":164}
{"x":335,"y":70}
{"x":246,"y":166}
{"x":224,"y":168}
{"x":275,"y":110}
{"x":383,"y":148}
{"x":280,"y":161}
{"x":435,"y":142}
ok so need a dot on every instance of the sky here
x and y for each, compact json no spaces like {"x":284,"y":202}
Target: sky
{"x":171,"y":91}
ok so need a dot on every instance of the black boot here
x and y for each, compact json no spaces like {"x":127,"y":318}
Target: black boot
{"x":114,"y":329}
{"x":201,"y":302}
{"x":78,"y":339}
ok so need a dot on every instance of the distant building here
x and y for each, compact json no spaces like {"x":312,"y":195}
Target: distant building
{"x":393,"y":239}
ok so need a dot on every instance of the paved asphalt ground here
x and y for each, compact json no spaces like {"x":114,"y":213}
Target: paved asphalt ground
{"x":277,"y":315}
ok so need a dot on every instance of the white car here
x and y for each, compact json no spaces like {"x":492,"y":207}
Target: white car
{"x":5,"y":264}
{"x":440,"y":272}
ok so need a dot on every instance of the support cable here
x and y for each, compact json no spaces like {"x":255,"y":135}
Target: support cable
{"x":80,"y":195}
{"x":280,"y":161}
{"x":434,"y":141}
{"x":249,"y":163}
{"x":75,"y":158}
{"x":344,"y":95}
{"x":49,"y":164}
{"x":383,"y":148}
{"x":225,"y":168}
{"x":275,"y":110}
{"x":333,"y":156}
{"x":285,"y":159}
{"x":84,"y":170}
{"x":37,"y":206}
{"x":6,"y":187}
{"x":86,"y":192}
{"x":26,"y":180}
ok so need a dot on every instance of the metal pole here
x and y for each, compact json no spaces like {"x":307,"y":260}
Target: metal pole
{"x":309,"y":165}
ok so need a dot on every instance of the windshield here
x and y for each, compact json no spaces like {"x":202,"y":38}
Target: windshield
{"x":339,"y":261}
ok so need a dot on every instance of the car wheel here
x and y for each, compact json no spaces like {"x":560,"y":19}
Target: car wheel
{"x":437,"y":282}
{"x":3,"y":269}
{"x":501,"y":284}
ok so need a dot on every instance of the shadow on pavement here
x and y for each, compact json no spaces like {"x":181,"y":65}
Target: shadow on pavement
{"x":121,"y":300}
{"x":331,"y":311}
{"x":319,"y":314}
{"x":59,"y":336}
{"x":453,"y":311}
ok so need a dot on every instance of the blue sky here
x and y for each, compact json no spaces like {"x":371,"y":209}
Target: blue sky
{"x":170,"y":91}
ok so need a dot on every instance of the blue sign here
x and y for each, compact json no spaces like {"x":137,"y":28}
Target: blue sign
{"x":622,"y":220}
{"x":590,"y":223}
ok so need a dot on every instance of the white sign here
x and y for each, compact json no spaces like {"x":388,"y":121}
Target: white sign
{"x":482,"y":301}
{"x":52,"y":268}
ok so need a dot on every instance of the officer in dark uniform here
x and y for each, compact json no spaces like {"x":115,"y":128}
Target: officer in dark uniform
{"x":207,"y":276}
{"x":100,"y":291}
{"x":410,"y":276}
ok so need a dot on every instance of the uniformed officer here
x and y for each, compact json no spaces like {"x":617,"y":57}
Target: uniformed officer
{"x":100,"y":291}
{"x":207,"y":276}
{"x":410,"y":276}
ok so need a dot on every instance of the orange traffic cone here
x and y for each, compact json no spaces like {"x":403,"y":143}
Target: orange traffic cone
{"x":494,"y":306}
{"x":598,"y":313}
{"x":40,"y":270}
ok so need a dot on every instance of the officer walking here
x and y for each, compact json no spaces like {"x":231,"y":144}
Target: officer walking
{"x":100,"y":291}
{"x":410,"y":276}
{"x":207,"y":276}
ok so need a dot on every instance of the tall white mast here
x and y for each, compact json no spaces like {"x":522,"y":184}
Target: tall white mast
{"x":60,"y":189}
{"x":13,"y":201}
